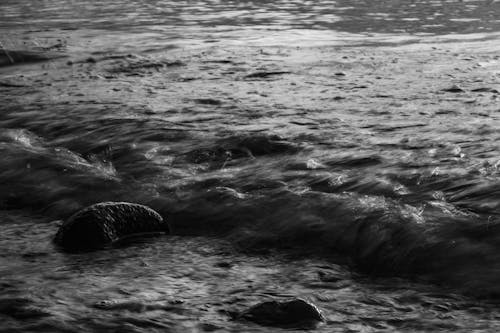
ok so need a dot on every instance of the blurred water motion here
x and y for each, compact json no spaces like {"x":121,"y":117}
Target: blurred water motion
{"x":342,"y":151}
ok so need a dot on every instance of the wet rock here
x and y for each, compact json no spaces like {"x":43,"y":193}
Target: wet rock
{"x":105,"y":223}
{"x":296,"y":313}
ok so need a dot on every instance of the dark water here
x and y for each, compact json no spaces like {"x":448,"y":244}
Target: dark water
{"x":218,"y":114}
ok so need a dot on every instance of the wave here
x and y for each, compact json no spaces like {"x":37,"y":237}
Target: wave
{"x":262,"y":192}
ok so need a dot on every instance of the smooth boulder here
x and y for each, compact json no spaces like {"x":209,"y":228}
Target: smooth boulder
{"x":296,"y":313}
{"x":106,"y":223}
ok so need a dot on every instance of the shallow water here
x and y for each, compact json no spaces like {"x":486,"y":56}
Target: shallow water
{"x":345,"y":152}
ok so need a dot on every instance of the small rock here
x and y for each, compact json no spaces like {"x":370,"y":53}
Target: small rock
{"x":105,"y":223}
{"x":296,"y":314}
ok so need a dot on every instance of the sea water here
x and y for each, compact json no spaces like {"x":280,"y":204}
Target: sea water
{"x":341,"y":151}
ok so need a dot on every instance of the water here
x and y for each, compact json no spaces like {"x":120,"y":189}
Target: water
{"x":345,"y":152}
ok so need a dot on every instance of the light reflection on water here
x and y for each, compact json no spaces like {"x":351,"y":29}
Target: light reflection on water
{"x":383,"y":16}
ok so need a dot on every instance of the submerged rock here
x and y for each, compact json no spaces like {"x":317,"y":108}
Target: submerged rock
{"x":105,"y":223}
{"x":296,"y":313}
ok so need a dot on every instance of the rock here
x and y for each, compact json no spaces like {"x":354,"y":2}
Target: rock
{"x":105,"y":223}
{"x":296,"y":314}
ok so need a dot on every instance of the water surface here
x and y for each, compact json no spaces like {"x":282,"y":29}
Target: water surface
{"x":345,"y":152}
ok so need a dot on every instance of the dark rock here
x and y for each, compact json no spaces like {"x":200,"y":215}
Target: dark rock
{"x":105,"y":223}
{"x":296,"y":313}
